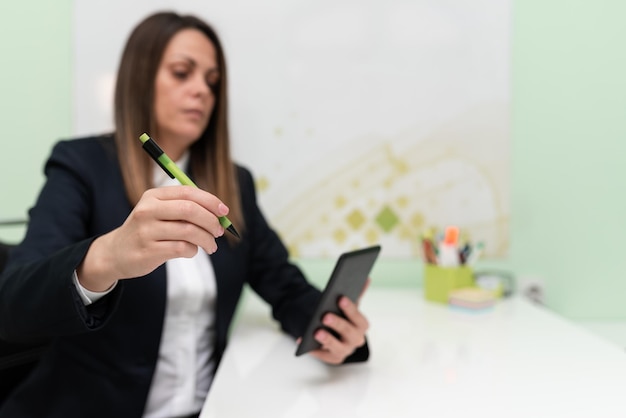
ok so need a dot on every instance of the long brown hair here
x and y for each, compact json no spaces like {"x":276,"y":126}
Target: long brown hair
{"x":210,"y":160}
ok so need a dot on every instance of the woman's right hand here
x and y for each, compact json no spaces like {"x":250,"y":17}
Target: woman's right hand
{"x":166,"y":223}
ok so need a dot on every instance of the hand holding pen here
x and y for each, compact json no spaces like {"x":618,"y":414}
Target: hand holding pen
{"x":166,"y":223}
{"x":172,"y":170}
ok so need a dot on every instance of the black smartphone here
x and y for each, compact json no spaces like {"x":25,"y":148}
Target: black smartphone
{"x":347,"y":279}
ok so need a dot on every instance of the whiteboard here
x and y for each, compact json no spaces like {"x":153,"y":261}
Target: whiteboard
{"x":363,"y":121}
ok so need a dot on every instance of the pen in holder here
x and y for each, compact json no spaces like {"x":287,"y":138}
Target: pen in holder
{"x":439,"y":281}
{"x":447,"y":264}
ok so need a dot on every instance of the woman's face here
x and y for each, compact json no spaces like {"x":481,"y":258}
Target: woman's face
{"x":183,"y":97}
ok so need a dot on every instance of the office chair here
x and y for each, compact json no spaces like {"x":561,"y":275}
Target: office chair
{"x":16,"y":360}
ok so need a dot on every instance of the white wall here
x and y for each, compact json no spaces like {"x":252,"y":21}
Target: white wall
{"x":347,"y":111}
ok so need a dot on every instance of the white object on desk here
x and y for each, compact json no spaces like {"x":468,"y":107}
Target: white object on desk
{"x":516,"y":360}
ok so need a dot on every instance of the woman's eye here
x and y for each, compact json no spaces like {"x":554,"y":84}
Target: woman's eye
{"x":181,"y":75}
{"x":213,"y":79}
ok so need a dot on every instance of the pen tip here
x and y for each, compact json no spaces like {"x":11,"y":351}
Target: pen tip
{"x":233,"y":231}
{"x":144,"y":137}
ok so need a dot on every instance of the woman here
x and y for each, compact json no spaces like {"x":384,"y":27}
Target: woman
{"x":113,"y":270}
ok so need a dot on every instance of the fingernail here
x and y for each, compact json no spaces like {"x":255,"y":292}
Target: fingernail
{"x":328,"y":319}
{"x":223,"y":209}
{"x":343,"y":302}
{"x":320,"y":336}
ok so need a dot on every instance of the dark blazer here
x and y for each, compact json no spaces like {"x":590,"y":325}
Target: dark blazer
{"x":101,"y":358}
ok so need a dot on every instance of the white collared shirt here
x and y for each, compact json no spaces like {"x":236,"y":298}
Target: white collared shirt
{"x":185,"y":367}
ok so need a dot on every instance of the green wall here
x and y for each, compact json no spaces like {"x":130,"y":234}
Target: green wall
{"x":35,"y":103}
{"x":569,"y":153}
{"x":568,"y":148}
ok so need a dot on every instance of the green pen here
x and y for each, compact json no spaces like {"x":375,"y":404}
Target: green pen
{"x":173,"y":171}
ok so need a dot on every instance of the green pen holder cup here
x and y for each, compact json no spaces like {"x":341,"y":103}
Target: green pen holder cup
{"x":440,"y":281}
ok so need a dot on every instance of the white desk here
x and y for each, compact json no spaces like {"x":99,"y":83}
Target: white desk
{"x":427,"y":360}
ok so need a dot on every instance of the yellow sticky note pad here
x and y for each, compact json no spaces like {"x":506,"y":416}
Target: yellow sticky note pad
{"x":472,"y":298}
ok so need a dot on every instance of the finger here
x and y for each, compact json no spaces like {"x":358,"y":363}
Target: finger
{"x":181,"y":210}
{"x":349,"y":333}
{"x":187,"y":232}
{"x":207,"y":200}
{"x":332,"y":350}
{"x":199,"y":227}
{"x":353,"y":314}
{"x":166,"y":250}
{"x":133,"y":263}
{"x":327,"y":356}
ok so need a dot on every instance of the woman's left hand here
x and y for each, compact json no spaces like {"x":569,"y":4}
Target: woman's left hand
{"x":350,"y":330}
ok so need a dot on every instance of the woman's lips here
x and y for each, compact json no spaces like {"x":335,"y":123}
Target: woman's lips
{"x":194,"y":113}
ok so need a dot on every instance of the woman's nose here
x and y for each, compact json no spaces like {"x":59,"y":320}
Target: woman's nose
{"x":200,"y":86}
